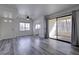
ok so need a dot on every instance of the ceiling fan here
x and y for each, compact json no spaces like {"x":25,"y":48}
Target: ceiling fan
{"x":27,"y":18}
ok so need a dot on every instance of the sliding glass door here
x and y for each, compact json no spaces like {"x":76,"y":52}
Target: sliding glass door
{"x":64,"y":25}
{"x":52,"y":28}
{"x":60,"y":28}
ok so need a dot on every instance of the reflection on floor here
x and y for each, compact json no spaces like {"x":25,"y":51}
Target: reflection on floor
{"x":64,"y":38}
{"x":30,"y":45}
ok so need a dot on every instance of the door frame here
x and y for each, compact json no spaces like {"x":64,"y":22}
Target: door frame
{"x":57,"y":29}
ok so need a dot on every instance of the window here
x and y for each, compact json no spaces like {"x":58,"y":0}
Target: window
{"x":37,"y":26}
{"x":24,"y":26}
{"x":27,"y":26}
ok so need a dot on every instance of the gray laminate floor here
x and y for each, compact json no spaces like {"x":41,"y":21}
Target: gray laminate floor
{"x":30,"y":45}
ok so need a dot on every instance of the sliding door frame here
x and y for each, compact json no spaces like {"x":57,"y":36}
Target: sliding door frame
{"x":57,"y":28}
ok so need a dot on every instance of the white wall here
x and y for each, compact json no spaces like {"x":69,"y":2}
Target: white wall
{"x":6,"y":28}
{"x":11,"y":30}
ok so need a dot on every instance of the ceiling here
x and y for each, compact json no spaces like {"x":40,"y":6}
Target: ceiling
{"x":36,"y":10}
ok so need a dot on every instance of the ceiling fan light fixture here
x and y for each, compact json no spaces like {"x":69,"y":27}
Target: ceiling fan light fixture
{"x":27,"y":18}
